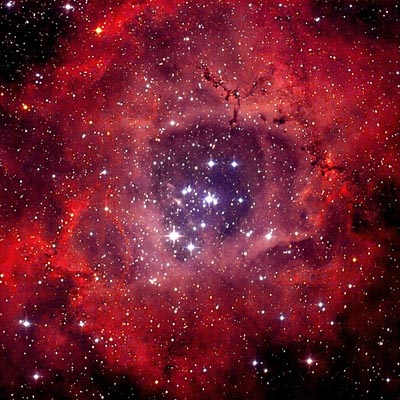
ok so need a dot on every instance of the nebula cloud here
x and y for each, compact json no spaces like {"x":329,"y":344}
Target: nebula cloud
{"x":199,"y":200}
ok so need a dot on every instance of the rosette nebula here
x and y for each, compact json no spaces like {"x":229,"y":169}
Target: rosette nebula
{"x":199,"y":199}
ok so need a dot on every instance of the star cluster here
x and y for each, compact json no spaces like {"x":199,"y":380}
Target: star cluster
{"x":199,"y":199}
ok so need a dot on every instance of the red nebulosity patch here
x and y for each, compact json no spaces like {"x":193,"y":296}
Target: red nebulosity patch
{"x":265,"y":135}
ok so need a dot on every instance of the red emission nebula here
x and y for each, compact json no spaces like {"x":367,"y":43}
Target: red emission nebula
{"x":199,"y":199}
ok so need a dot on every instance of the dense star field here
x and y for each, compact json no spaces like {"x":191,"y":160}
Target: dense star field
{"x":199,"y":199}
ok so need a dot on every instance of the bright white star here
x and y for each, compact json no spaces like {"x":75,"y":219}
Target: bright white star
{"x":187,"y":190}
{"x":25,"y":323}
{"x":173,"y":236}
{"x":190,"y":247}
{"x":211,"y":199}
{"x":268,"y":236}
